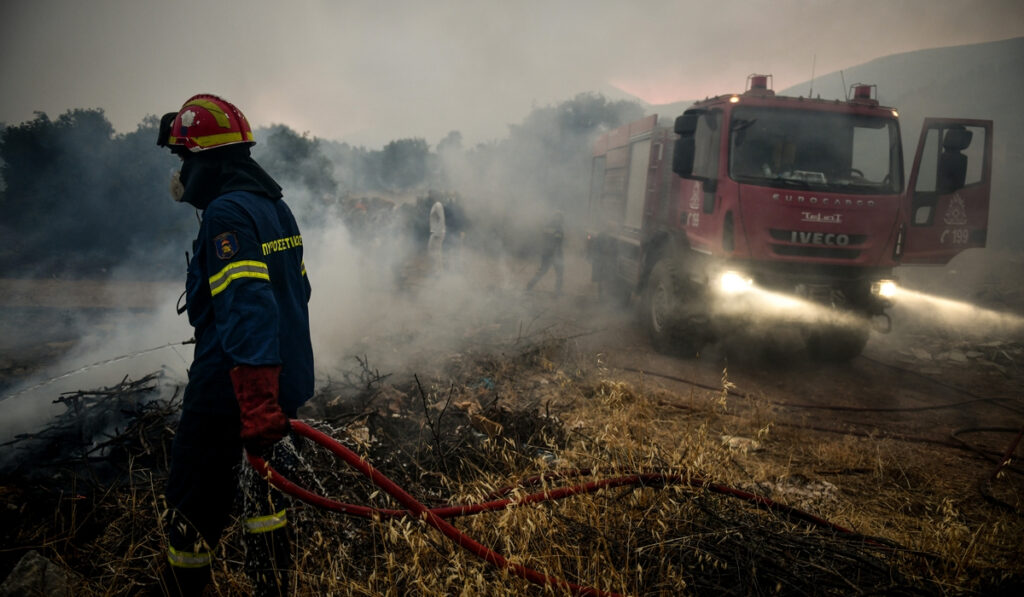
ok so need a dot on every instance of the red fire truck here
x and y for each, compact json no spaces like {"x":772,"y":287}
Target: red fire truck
{"x":757,"y":200}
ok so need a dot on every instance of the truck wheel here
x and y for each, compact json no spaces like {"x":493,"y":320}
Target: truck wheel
{"x":671,"y":325}
{"x":837,"y":344}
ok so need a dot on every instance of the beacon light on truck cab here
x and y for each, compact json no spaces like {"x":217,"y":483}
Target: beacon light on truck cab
{"x":806,"y":196}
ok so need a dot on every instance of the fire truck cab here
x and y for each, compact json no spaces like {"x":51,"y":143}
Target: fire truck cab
{"x":798,"y":198}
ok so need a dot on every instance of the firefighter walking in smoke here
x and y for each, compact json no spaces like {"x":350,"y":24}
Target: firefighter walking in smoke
{"x":551,"y":254}
{"x":246,"y":296}
{"x":435,"y":244}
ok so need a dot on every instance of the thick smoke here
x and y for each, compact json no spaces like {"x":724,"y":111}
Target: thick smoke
{"x":376,"y":293}
{"x":363,"y":217}
{"x":80,"y":201}
{"x":108,"y":347}
{"x":83,"y":202}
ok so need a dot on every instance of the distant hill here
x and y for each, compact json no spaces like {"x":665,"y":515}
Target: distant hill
{"x":973,"y":81}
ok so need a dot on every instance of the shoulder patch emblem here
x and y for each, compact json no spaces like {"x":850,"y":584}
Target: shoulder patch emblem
{"x":226,"y":245}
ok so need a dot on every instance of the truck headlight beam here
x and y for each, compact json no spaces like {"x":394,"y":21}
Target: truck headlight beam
{"x":885,"y":288}
{"x":731,"y":282}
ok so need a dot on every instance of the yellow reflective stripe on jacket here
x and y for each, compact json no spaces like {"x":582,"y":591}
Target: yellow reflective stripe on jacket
{"x":265,"y":524}
{"x":188,"y":559}
{"x":238,"y":269}
{"x":303,"y":267}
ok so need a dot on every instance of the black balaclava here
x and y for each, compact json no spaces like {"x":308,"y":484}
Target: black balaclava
{"x":209,"y":174}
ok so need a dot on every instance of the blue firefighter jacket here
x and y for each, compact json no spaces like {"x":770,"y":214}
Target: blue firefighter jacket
{"x":247,"y":297}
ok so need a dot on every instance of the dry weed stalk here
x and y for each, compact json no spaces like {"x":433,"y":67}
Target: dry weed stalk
{"x":649,"y":540}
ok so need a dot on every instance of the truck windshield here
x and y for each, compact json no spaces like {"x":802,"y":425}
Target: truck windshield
{"x":819,"y":150}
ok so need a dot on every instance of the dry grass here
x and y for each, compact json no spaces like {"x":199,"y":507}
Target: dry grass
{"x":560,"y":409}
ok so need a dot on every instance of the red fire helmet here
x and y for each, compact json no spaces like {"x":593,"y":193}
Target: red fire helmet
{"x":206,"y":121}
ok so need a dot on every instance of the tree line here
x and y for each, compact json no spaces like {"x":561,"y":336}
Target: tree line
{"x":80,"y":199}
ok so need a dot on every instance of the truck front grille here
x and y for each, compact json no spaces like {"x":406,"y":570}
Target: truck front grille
{"x":815,"y":252}
{"x":819,"y":245}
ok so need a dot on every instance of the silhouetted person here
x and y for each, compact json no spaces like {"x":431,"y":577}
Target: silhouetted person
{"x":551,"y":254}
{"x":435,"y":244}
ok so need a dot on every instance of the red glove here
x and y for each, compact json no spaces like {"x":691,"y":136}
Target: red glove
{"x":263,"y":421}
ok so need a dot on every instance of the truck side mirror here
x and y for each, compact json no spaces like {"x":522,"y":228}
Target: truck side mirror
{"x":686,"y":124}
{"x":682,"y":156}
{"x":684,"y":150}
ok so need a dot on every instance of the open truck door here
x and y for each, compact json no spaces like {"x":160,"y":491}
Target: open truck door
{"x":948,"y":192}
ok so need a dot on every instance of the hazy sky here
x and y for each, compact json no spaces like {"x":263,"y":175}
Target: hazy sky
{"x":371,"y":71}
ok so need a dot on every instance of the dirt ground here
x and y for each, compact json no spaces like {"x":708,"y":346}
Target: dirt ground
{"x":904,"y":442}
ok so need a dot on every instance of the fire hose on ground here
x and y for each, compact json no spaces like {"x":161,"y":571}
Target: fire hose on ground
{"x":436,"y":517}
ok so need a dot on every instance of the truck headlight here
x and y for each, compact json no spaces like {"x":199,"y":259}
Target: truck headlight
{"x":884,"y":288}
{"x":734,"y":282}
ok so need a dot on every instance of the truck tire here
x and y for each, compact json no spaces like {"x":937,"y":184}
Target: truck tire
{"x":670,"y":316}
{"x":837,"y":344}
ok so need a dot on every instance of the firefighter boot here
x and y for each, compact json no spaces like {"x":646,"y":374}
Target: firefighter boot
{"x":268,"y":561}
{"x":189,"y":559}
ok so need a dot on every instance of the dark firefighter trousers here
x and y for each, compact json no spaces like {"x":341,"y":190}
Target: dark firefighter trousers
{"x":550,"y":258}
{"x":207,"y":464}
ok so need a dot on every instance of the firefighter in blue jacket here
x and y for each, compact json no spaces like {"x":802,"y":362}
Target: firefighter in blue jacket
{"x":246,"y":296}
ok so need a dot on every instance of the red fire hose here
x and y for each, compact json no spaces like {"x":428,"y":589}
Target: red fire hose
{"x":435,"y":516}
{"x":415,"y":508}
